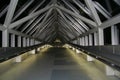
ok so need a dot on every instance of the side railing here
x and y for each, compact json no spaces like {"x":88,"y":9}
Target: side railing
{"x":107,"y":54}
{"x":7,"y":53}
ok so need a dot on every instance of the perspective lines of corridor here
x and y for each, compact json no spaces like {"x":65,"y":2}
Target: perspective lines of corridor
{"x":52,"y":64}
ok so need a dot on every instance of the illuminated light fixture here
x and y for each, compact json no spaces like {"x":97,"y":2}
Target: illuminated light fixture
{"x":32,"y":52}
{"x":112,"y":64}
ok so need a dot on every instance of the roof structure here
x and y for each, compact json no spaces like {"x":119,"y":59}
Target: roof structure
{"x":51,"y":20}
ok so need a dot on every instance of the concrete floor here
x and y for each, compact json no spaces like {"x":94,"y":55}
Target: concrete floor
{"x":52,"y":64}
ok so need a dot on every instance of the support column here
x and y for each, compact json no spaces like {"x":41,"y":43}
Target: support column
{"x":83,"y":41}
{"x":80,"y":41}
{"x":89,"y":58}
{"x":12,"y":40}
{"x":77,"y":51}
{"x":95,"y":39}
{"x":33,"y":42}
{"x":86,"y":40}
{"x":5,"y":38}
{"x":19,"y":58}
{"x":75,"y":42}
{"x":90,"y":40}
{"x":109,"y":70}
{"x":101,"y":36}
{"x":19,"y":41}
{"x":114,"y":38}
{"x":33,"y":51}
{"x":24,"y":42}
{"x":38,"y":49}
{"x":114,"y":35}
{"x":28,"y":42}
{"x":73,"y":48}
{"x":8,"y":19}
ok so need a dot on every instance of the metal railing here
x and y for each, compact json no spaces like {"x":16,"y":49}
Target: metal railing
{"x":107,"y":54}
{"x":7,"y":53}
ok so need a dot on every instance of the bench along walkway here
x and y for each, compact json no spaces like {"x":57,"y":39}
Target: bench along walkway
{"x":52,"y":64}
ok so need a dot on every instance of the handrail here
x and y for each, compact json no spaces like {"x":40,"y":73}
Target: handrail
{"x":107,"y":54}
{"x":7,"y":53}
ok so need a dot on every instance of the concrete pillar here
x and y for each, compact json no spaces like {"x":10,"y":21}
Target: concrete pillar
{"x":18,"y":59}
{"x":83,"y":41}
{"x":114,"y":35}
{"x":73,"y":48}
{"x":115,"y":41}
{"x":5,"y":38}
{"x":35,"y":42}
{"x":95,"y":39}
{"x":24,"y":42}
{"x":101,"y":36}
{"x":28,"y":42}
{"x":80,"y":41}
{"x":89,"y":58}
{"x":90,"y":40}
{"x":12,"y":40}
{"x":19,"y":41}
{"x":33,"y":52}
{"x":86,"y":40}
{"x":32,"y":42}
{"x":38,"y":49}
{"x":78,"y":51}
{"x":109,"y":71}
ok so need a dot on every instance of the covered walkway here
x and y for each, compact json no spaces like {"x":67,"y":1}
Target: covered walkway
{"x":59,"y":39}
{"x":53,"y":64}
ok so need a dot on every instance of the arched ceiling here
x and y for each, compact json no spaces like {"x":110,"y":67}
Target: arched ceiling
{"x":48,"y":20}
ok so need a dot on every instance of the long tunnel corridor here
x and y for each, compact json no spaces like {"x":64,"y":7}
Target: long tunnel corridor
{"x":54,"y":63}
{"x":59,"y":39}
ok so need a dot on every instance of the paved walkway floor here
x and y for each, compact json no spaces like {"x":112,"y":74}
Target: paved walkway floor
{"x":52,"y":64}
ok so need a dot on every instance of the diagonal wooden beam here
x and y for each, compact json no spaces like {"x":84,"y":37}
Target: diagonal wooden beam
{"x":90,"y":5}
{"x":112,"y":21}
{"x":3,"y":11}
{"x":10,"y":12}
{"x":90,"y":22}
{"x":22,"y":9}
{"x":29,"y":17}
{"x":42,"y":23}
